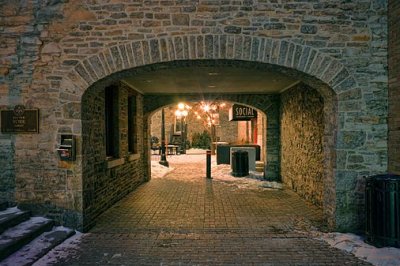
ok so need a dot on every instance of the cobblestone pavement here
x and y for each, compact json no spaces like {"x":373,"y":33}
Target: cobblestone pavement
{"x":185,"y":219}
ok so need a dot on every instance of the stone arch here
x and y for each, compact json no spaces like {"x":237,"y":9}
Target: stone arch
{"x":267,"y":104}
{"x":281,"y":52}
{"x":232,"y":99}
{"x":315,"y":68}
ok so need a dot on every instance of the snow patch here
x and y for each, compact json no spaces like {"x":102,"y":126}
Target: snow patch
{"x":355,"y":244}
{"x":158,"y":170}
{"x":10,"y":210}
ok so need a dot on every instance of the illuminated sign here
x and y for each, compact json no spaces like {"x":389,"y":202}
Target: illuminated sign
{"x":241,"y":113}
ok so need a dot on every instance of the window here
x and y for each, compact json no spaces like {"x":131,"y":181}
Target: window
{"x":111,"y":119}
{"x":177,"y":125}
{"x":132,"y":125}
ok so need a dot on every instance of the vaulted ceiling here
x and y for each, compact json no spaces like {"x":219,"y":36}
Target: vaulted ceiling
{"x":204,"y":79}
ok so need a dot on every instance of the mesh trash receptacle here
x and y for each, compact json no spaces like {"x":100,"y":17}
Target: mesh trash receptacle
{"x":240,"y":163}
{"x":382,"y":204}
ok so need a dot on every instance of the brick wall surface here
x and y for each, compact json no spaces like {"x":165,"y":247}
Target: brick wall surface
{"x":53,"y":51}
{"x":394,"y":86}
{"x":104,"y":185}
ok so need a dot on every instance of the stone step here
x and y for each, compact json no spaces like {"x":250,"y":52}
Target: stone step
{"x":260,"y":169}
{"x":259,"y":163}
{"x":260,"y":166}
{"x":12,"y":217}
{"x":39,"y":247}
{"x":16,"y":237}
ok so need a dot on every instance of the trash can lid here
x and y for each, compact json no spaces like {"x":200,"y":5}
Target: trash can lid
{"x":386,"y":177}
{"x":239,"y":151}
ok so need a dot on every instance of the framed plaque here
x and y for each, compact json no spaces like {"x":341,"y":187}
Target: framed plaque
{"x":19,"y":120}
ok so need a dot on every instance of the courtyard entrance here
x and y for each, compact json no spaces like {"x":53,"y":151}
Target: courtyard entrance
{"x":182,"y":218}
{"x":292,"y":132}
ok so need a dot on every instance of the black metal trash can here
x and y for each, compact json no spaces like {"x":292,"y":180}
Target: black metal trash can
{"x":240,"y":163}
{"x":382,"y":203}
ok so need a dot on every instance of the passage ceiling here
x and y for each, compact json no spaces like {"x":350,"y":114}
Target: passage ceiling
{"x":197,"y":79}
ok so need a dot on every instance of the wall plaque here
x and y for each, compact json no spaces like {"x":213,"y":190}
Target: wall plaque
{"x":20,"y":120}
{"x":241,"y":113}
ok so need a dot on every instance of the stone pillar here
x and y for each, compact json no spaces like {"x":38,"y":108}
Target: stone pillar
{"x":272,"y":169}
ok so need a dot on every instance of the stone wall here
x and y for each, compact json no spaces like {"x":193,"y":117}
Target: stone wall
{"x":394,"y":87}
{"x":7,"y":173}
{"x":53,"y":51}
{"x":302,"y":132}
{"x":107,"y":180}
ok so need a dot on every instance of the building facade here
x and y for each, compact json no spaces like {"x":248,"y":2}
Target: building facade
{"x":61,"y":57}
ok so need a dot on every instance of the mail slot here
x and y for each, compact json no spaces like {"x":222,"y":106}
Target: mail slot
{"x":66,"y":150}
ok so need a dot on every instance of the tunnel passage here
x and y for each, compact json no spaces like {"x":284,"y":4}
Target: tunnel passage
{"x":117,"y":170}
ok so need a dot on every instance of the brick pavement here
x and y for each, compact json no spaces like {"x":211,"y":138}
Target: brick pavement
{"x":185,"y":219}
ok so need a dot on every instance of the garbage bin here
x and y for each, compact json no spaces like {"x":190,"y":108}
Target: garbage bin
{"x":382,"y":203}
{"x":240,"y":163}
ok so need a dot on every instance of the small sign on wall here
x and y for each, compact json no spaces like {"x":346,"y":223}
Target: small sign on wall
{"x":241,"y":113}
{"x":19,"y":120}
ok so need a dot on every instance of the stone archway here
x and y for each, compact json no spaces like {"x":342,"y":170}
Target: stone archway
{"x":268,"y":105}
{"x":320,"y":71}
{"x":63,"y":48}
{"x":282,"y":53}
{"x":227,"y":131}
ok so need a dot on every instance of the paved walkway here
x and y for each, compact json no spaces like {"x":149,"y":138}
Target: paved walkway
{"x":185,"y":219}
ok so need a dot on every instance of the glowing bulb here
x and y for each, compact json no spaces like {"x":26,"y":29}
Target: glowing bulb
{"x":184,"y":112}
{"x":181,"y":106}
{"x":206,"y":108}
{"x":198,"y":117}
{"x":178,"y":113}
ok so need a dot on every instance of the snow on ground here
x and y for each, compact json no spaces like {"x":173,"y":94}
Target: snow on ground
{"x":158,"y":170}
{"x":355,"y":244}
{"x":220,"y":173}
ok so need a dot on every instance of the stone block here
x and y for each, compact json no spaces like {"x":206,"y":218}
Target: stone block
{"x":180,"y":19}
{"x":351,"y":139}
{"x":309,"y":29}
{"x":233,"y":29}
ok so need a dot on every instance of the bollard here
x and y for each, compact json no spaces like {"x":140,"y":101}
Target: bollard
{"x":208,"y":164}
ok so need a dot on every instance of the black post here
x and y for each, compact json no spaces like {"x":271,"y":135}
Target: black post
{"x":163,"y":159}
{"x":182,"y":137}
{"x":213,"y":139}
{"x":208,"y":164}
